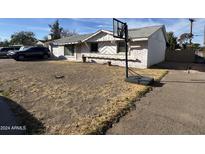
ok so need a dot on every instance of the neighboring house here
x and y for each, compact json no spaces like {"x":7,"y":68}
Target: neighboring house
{"x":40,"y":43}
{"x":146,"y":47}
{"x":45,"y":43}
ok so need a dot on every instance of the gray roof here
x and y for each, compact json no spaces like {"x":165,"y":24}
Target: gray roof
{"x":143,"y":32}
{"x":72,"y":39}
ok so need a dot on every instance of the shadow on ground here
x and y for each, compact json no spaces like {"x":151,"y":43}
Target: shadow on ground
{"x":180,"y":66}
{"x":37,"y":59}
{"x":158,"y":84}
{"x":193,"y":81}
{"x":24,"y":118}
{"x":4,"y":57}
{"x":41,"y":59}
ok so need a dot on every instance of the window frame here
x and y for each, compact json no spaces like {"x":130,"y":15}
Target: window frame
{"x":73,"y":50}
{"x":118,"y":47}
{"x":91,"y":49}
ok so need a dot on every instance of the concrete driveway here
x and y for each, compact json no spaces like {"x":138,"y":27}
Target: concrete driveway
{"x":177,"y":106}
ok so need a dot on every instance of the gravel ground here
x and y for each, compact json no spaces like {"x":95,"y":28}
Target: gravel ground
{"x":68,"y":105}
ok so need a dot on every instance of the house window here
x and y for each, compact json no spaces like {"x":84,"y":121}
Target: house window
{"x":69,"y":50}
{"x":94,"y":47}
{"x":121,"y":47}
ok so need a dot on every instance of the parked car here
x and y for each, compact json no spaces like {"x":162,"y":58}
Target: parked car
{"x":30,"y":52}
{"x":4,"y":50}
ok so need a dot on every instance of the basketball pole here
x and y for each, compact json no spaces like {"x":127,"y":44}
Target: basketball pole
{"x":120,"y":30}
{"x":126,"y":51}
{"x":124,"y":36}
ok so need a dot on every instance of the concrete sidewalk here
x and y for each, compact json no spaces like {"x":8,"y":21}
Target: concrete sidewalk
{"x":178,"y":107}
{"x":9,"y":125}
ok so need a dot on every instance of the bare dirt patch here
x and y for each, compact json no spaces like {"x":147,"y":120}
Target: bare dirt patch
{"x":84,"y":101}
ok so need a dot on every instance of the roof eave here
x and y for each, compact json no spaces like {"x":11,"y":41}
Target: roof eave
{"x":139,"y":39}
{"x":66,"y":43}
{"x":99,"y":31}
{"x":165,"y":34}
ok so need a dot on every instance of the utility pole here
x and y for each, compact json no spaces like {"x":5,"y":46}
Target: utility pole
{"x":204,"y":35}
{"x":191,"y":27}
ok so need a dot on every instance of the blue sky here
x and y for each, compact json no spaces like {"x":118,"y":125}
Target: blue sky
{"x":88,"y":25}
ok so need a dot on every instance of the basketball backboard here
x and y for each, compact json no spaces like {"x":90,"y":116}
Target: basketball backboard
{"x":119,"y":28}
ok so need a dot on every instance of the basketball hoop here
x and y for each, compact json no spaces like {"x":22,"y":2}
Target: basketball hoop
{"x":120,"y":30}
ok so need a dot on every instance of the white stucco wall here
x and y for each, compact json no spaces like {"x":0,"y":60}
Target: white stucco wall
{"x":58,"y":51}
{"x":105,"y":48}
{"x":157,"y":48}
{"x":139,"y":52}
{"x":142,"y":54}
{"x":108,"y":52}
{"x":137,"y":55}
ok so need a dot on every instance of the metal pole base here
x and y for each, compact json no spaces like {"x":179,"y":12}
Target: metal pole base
{"x":140,"y":80}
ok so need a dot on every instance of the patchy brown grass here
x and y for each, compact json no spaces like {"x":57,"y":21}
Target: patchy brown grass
{"x":87,"y":100}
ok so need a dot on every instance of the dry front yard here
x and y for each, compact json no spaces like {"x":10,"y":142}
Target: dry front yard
{"x":85,"y":101}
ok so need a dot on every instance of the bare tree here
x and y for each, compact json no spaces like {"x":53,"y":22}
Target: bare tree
{"x":68,"y":33}
{"x":183,"y":38}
